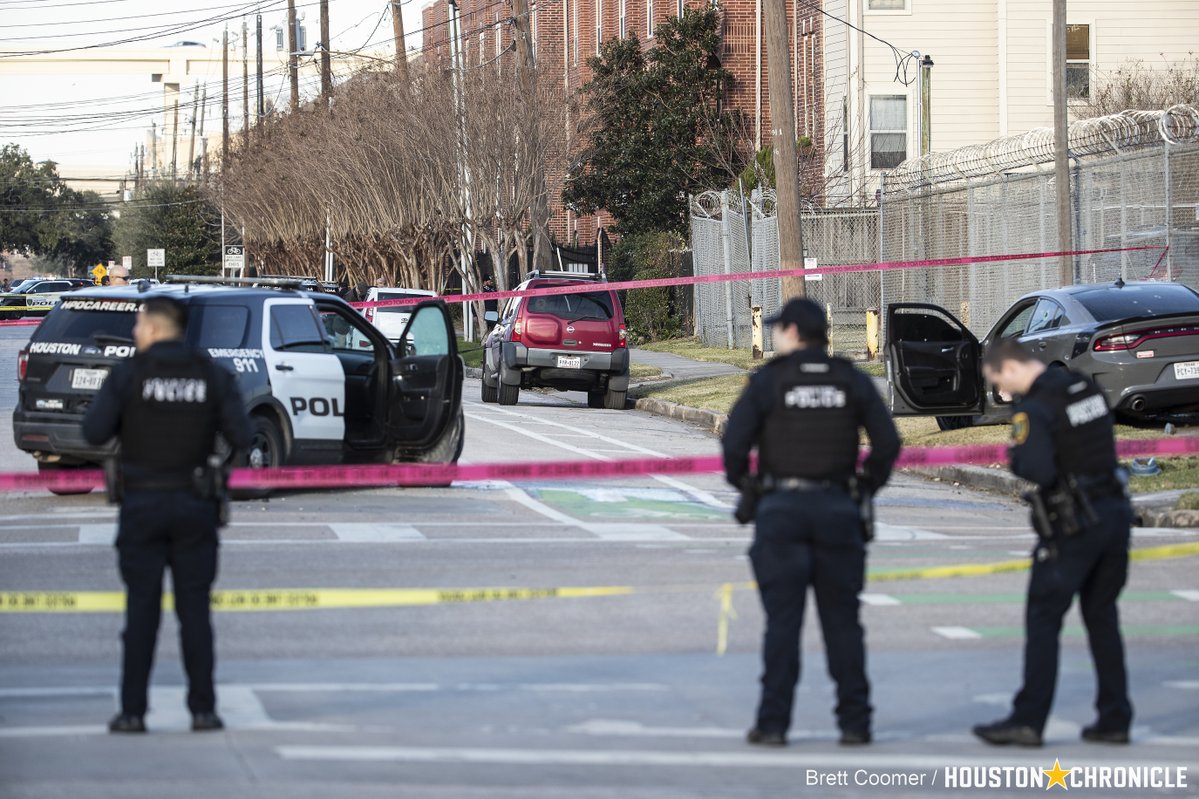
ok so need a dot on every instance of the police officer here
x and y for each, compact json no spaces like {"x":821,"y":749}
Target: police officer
{"x":1063,"y":441}
{"x":166,"y":407}
{"x":803,"y":411}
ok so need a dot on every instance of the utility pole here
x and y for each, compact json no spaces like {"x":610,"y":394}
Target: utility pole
{"x":1061,"y":145}
{"x":245,"y":81}
{"x":203,"y":110}
{"x":540,"y":212}
{"x":326,"y":65}
{"x":225,"y":98}
{"x":259,"y":58}
{"x":153,"y":149}
{"x":293,"y":69}
{"x":926,"y":105}
{"x":468,"y":247}
{"x":175,"y":143}
{"x":782,"y":131}
{"x":191,"y":145}
{"x":397,"y":28}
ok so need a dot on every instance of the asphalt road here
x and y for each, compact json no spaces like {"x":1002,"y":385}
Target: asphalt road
{"x":620,"y":695}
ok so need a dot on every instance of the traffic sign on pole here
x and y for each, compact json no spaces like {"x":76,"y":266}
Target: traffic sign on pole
{"x":235,"y":258}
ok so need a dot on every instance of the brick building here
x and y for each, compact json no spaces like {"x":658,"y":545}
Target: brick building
{"x":568,"y":32}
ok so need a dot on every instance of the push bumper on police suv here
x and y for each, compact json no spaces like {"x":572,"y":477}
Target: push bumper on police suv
{"x":564,"y":365}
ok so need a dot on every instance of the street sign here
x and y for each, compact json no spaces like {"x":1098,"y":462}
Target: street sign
{"x":98,"y":271}
{"x":235,"y":257}
{"x":811,"y":263}
{"x":127,"y":262}
{"x":156,"y":258}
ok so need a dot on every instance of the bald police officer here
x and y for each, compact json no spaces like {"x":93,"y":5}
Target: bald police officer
{"x":1063,"y":440}
{"x":166,"y":406}
{"x":803,"y":411}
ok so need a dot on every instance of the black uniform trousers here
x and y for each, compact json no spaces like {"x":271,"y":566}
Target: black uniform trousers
{"x":160,"y":529}
{"x":811,"y":539}
{"x":1093,"y":565}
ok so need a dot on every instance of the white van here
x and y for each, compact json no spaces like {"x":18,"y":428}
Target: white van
{"x":391,"y":319}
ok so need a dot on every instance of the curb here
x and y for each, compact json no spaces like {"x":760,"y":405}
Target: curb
{"x":712,"y":421}
{"x":996,"y":481}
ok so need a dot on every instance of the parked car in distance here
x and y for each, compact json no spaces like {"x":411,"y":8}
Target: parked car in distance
{"x":568,"y":342}
{"x":392,"y":319}
{"x":1138,"y":341}
{"x":38,"y":294}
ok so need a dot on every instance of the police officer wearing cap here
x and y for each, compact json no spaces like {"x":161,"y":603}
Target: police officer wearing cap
{"x":166,"y":407}
{"x":1063,"y":441}
{"x":803,"y":411}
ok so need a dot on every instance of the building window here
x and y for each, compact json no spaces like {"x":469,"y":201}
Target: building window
{"x":599,"y":25}
{"x":887,"y":5}
{"x":649,"y":19}
{"x":888,"y":131}
{"x":1078,"y":62}
{"x":623,"y":9}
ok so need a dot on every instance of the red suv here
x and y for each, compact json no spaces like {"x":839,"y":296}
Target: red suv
{"x":569,"y":342}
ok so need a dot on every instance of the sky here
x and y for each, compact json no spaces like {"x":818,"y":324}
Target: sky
{"x":90,"y":123}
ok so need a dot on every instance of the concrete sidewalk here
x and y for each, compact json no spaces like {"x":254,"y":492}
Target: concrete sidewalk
{"x":681,"y":368}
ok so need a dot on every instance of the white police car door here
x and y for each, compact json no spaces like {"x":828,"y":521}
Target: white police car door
{"x":306,"y":377}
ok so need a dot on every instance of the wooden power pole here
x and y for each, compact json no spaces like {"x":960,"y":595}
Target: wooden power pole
{"x":326,"y":64}
{"x":293,"y":67}
{"x":540,"y":212}
{"x":175,"y":143}
{"x":191,"y":144}
{"x":225,"y":98}
{"x":397,"y":28}
{"x":1061,"y":145}
{"x":258,"y":60}
{"x":782,"y":130}
{"x":245,"y":81}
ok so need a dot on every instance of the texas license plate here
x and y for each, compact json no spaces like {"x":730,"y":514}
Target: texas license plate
{"x":1188,"y":370}
{"x":88,"y":379}
{"x":570,"y":362}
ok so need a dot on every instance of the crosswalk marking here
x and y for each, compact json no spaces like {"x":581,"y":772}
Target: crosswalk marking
{"x":98,"y":534}
{"x":957,"y":633}
{"x":374,"y":533}
{"x":878,"y":600}
{"x":1188,"y":595}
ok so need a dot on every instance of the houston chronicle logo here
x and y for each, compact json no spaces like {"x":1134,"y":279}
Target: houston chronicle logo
{"x":989,"y":778}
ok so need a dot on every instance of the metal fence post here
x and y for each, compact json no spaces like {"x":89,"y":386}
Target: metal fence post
{"x":882,"y":252}
{"x":728,"y":266}
{"x":1169,"y":213}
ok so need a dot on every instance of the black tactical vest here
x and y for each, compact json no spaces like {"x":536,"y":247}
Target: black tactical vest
{"x":169,"y":421}
{"x":812,"y":429}
{"x":1085,"y":433}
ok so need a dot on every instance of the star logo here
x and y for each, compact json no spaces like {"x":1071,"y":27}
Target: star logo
{"x":1057,"y":775}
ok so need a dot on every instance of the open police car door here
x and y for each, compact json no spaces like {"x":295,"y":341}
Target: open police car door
{"x":425,"y":394}
{"x":933,"y":362}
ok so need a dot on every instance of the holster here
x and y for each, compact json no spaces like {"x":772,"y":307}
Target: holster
{"x":211,"y":482}
{"x":114,"y":482}
{"x":864,"y":497}
{"x":751,"y":495}
{"x":1056,"y":512}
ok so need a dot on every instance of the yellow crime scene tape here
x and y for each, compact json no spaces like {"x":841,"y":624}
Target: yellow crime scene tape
{"x":286,"y":599}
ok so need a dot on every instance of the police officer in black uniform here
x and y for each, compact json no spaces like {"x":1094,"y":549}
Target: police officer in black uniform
{"x":166,"y":406}
{"x":1063,"y":441}
{"x":803,"y":411}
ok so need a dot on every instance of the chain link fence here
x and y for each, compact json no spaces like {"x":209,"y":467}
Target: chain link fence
{"x":1134,"y":183}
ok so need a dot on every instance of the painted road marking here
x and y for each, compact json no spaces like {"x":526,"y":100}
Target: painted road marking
{"x":878,"y":600}
{"x":98,"y":534}
{"x":369,"y":533}
{"x":634,"y":532}
{"x":957,"y":633}
{"x":1188,"y":595}
{"x":1185,"y":685}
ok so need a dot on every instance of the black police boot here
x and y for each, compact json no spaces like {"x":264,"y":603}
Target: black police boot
{"x":125,"y":722}
{"x":207,"y":722}
{"x":1003,"y":733}
{"x":855,"y":737}
{"x":1093,"y":734}
{"x":763,"y":738}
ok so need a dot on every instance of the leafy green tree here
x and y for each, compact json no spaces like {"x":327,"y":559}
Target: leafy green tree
{"x":655,"y":131}
{"x":78,"y":235}
{"x":28,"y":192}
{"x":176,"y":218}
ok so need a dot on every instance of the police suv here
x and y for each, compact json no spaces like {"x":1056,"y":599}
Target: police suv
{"x":322,"y":384}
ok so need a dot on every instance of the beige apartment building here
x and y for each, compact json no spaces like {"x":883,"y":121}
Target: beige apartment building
{"x":991,"y":75}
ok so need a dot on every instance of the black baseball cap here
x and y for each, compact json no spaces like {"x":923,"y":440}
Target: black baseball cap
{"x":806,"y":315}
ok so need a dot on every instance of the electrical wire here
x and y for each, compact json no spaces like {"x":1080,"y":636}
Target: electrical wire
{"x":903,"y":60}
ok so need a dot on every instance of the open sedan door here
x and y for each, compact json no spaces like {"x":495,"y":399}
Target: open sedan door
{"x":933,"y":363}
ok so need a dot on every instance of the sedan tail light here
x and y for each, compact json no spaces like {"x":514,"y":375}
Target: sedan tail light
{"x":22,"y":364}
{"x":1134,"y":339}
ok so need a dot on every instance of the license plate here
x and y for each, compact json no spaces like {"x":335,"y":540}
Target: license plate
{"x":88,"y":379}
{"x":570,"y":362}
{"x":1188,"y":370}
